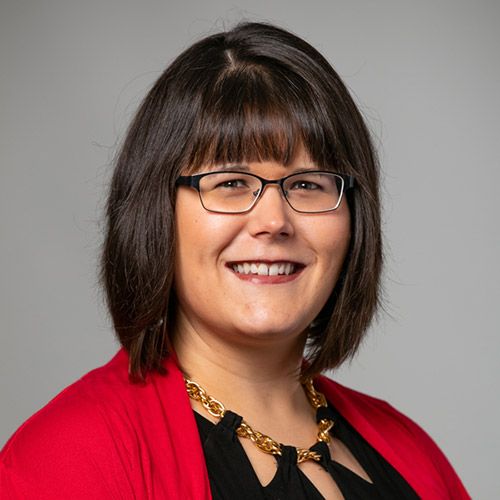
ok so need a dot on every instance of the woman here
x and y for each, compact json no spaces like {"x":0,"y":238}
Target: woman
{"x":242,"y":258}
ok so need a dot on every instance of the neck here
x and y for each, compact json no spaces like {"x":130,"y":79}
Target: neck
{"x":243,"y":377}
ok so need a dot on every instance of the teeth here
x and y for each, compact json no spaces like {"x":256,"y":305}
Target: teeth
{"x":273,"y":269}
{"x":263,"y":269}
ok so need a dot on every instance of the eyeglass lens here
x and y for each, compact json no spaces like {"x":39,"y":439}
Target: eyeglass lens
{"x":231,"y":192}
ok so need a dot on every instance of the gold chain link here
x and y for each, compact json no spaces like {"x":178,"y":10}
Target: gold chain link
{"x":263,"y":442}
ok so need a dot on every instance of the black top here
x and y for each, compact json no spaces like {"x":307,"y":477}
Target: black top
{"x":232,"y":476}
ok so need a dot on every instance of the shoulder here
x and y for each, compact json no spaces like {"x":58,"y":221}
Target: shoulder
{"x":67,"y":443}
{"x":400,"y":440}
{"x":77,"y":413}
{"x":352,"y":402}
{"x":367,"y":412}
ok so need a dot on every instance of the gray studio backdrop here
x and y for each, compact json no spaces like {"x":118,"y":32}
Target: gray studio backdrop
{"x":426,"y":75}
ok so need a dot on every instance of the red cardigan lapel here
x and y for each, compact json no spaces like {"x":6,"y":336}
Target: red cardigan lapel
{"x":188,"y":457}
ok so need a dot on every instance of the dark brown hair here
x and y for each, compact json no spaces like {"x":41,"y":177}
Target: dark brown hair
{"x":254,"y":93}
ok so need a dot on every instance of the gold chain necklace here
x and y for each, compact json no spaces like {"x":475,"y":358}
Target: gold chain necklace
{"x":263,"y":442}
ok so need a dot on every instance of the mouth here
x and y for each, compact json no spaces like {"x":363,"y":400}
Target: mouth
{"x":262,"y":268}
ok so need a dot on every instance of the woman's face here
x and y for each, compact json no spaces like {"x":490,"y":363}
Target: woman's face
{"x":216,"y":299}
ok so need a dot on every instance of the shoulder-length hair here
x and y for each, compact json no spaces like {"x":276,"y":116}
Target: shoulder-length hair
{"x":254,"y":93}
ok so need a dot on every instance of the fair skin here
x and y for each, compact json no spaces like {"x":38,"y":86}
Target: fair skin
{"x":243,"y":339}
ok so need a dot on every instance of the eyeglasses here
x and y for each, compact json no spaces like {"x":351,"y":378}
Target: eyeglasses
{"x":234,"y":192}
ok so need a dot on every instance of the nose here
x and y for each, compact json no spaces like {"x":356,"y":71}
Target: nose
{"x":271,"y":216}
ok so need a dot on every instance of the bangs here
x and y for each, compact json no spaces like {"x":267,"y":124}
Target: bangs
{"x":250,"y":115}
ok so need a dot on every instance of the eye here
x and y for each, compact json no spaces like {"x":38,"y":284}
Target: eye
{"x":305,"y":185}
{"x":232,"y":184}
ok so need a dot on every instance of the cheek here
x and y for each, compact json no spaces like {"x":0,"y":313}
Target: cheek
{"x":200,"y":236}
{"x":332,"y":239}
{"x":332,"y":234}
{"x":341,"y":241}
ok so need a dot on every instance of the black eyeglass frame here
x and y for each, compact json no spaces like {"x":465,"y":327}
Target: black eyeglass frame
{"x":348,"y":182}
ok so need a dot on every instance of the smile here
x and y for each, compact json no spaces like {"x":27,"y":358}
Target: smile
{"x":265,"y":268}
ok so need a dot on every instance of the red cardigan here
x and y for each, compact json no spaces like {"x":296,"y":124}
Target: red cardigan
{"x":103,"y":437}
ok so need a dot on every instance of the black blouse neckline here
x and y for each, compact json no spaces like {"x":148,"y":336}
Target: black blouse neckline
{"x":232,"y":475}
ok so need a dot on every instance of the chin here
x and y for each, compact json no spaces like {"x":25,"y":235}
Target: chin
{"x":269,"y":330}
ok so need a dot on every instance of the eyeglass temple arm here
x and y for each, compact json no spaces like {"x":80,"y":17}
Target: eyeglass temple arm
{"x":349,"y":182}
{"x":188,"y":180}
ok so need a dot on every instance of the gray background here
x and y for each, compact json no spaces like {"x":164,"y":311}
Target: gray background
{"x":426,"y":75}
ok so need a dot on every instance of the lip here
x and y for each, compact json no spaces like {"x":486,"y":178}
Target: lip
{"x":259,"y":279}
